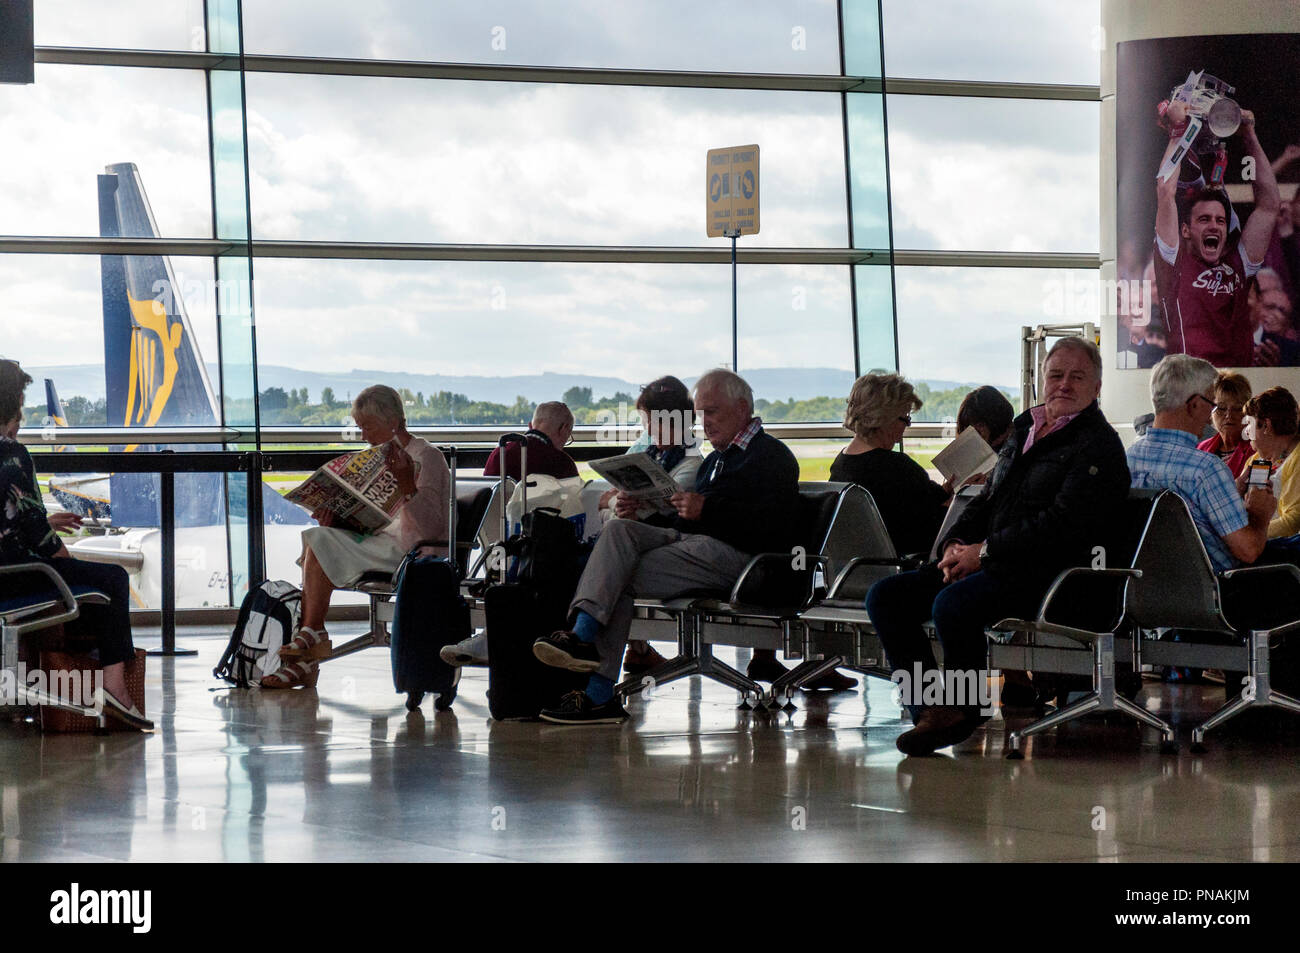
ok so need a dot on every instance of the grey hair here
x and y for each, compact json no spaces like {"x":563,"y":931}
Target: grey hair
{"x":552,"y":415}
{"x":1178,"y":378}
{"x":1076,"y":343}
{"x":729,"y":384}
{"x":878,"y":400}
{"x":380,"y":400}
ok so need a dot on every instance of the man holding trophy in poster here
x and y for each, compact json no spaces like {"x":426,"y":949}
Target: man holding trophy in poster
{"x":1204,"y":261}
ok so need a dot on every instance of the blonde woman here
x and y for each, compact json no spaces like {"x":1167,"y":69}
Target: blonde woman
{"x":334,"y":558}
{"x":911,"y":504}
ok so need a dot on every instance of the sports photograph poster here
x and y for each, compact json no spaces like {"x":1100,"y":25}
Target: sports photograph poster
{"x":1207,"y":133}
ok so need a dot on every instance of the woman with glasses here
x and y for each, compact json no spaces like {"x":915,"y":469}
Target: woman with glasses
{"x":1231,"y":391}
{"x":667,"y":415}
{"x":911,"y":504}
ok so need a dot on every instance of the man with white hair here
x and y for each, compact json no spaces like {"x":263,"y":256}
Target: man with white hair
{"x":745,"y":501}
{"x":1055,"y":492}
{"x":1182,"y":391}
{"x":548,"y":434}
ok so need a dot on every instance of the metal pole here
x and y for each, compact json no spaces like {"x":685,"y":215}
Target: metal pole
{"x":735,"y":360}
{"x":167,"y":514}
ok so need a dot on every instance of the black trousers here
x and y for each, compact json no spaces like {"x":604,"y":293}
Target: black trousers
{"x":110,"y":625}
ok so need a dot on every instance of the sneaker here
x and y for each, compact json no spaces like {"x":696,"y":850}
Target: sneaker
{"x":576,"y":708}
{"x":563,"y":649}
{"x":471,"y":651}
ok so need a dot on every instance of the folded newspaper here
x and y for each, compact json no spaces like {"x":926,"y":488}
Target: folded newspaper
{"x":967,"y":456}
{"x":358,"y":488}
{"x":638,"y":476}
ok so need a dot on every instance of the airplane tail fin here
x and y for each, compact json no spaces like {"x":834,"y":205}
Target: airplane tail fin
{"x":153,"y":373}
{"x":53,"y":406}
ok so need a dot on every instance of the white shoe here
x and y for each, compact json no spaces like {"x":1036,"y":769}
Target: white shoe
{"x":471,"y":651}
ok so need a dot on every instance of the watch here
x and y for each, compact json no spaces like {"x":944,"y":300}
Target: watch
{"x":984,"y":552}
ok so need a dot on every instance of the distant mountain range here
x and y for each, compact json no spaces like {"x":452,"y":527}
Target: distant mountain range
{"x":773,"y":383}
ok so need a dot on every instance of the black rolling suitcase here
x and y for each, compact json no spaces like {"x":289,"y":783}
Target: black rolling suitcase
{"x":428,"y":614}
{"x":534,"y":604}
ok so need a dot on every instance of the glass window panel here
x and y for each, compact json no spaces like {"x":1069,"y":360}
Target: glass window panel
{"x":365,"y":159}
{"x":767,"y":36}
{"x":994,"y":174}
{"x":961,"y":326}
{"x":62,"y":296}
{"x":62,"y":132}
{"x":122,"y":24}
{"x":1020,"y":41}
{"x":861,"y":37}
{"x":499,"y":331}
{"x":875,"y":294}
{"x":867,"y":161}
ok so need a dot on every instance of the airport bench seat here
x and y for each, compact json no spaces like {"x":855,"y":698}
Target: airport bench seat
{"x":39,"y":599}
{"x":764,"y":603}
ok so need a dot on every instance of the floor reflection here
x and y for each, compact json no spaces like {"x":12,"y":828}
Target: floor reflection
{"x":345,"y":772}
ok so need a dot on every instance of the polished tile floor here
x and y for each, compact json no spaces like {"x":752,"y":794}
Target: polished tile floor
{"x":345,"y":773}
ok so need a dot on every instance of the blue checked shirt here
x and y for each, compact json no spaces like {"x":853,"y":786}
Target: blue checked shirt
{"x":1168,"y":459}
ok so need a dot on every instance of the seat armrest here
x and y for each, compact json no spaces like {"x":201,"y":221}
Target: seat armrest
{"x":1080,"y":571}
{"x":860,"y":565}
{"x":1286,"y":568}
{"x":69,"y":608}
{"x":769,"y":573}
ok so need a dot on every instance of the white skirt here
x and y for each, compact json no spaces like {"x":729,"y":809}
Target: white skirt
{"x":346,"y":557}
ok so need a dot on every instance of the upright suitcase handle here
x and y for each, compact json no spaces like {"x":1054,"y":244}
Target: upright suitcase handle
{"x":505,"y":440}
{"x":453,"y":541}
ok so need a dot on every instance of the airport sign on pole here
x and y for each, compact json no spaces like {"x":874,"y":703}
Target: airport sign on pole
{"x":731,"y":210}
{"x":731,"y":191}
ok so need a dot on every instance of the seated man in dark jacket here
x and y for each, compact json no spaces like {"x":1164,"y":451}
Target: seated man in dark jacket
{"x":1059,"y":484}
{"x":746,"y":501}
{"x":548,"y":434}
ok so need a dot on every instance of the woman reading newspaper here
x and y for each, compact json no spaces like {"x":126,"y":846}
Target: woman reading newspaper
{"x":666,"y":413}
{"x":334,"y":557}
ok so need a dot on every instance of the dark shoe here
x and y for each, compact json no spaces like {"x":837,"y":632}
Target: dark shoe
{"x":832,"y":681}
{"x":576,"y":708}
{"x":636,"y":663}
{"x":765,"y":668}
{"x":1018,"y":695}
{"x":938,"y":727}
{"x":563,"y":649}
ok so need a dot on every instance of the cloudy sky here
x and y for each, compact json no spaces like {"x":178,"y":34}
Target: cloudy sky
{"x":367,"y":159}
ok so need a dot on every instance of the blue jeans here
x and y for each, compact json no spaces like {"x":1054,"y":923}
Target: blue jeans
{"x":900,"y":605}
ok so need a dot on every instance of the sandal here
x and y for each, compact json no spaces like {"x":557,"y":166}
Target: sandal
{"x":308,"y":644}
{"x":292,"y":675}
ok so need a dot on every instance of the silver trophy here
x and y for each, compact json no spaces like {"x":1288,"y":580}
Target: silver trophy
{"x":1209,"y":107}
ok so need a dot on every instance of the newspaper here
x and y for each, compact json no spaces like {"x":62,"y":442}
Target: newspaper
{"x":358,"y":488}
{"x":967,"y":456}
{"x":638,"y":476}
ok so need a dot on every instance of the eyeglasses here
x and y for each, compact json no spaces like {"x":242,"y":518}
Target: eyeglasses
{"x":1204,"y":398}
{"x":906,"y":418}
{"x":1227,"y":409}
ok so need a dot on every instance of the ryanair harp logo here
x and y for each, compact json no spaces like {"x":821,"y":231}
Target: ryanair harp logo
{"x":153,"y":370}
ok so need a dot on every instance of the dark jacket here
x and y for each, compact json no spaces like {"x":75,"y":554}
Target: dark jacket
{"x":751,"y":497}
{"x":1045,"y":510}
{"x":543,"y":458}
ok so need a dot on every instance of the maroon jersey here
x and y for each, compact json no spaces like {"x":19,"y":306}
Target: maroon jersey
{"x":1205,"y":308}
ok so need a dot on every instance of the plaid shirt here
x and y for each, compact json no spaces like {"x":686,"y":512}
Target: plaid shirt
{"x":1168,"y":459}
{"x":742,"y":439}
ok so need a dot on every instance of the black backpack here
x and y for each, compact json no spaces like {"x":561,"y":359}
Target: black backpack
{"x":268,"y":619}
